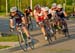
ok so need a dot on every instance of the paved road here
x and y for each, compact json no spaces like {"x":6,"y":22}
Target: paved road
{"x":61,"y":45}
{"x":4,"y":24}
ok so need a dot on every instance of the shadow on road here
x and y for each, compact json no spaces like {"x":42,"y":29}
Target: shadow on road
{"x":52,"y":43}
{"x":64,"y":39}
{"x":17,"y":48}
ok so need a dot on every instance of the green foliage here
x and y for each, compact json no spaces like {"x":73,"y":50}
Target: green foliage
{"x":26,"y":3}
{"x":69,"y":9}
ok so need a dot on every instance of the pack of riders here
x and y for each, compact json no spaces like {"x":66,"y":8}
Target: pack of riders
{"x":40,"y":14}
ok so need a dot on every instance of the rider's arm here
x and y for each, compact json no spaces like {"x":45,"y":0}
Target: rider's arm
{"x":23,"y":20}
{"x":36,"y":18}
{"x":11,"y":22}
{"x":45,"y":15}
{"x":22,"y":16}
{"x":65,"y":14}
{"x":31,"y":13}
{"x":35,"y":15}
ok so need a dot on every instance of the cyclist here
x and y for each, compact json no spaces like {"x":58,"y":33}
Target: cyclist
{"x":52,"y":14}
{"x":19,"y":20}
{"x":46,"y":13}
{"x":53,"y":9}
{"x":61,"y":14}
{"x":28,"y":13}
{"x":40,"y":16}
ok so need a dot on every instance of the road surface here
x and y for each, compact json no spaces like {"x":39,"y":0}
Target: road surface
{"x":61,"y":45}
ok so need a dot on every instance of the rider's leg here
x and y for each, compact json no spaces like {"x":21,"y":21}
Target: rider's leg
{"x":26,"y":31}
{"x":43,"y":30}
{"x":64,"y":23}
{"x":17,"y":28}
{"x":25,"y":28}
{"x":59,"y":24}
{"x":48,"y":24}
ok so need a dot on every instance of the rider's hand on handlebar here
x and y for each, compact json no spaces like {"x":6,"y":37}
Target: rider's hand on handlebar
{"x":12,"y":29}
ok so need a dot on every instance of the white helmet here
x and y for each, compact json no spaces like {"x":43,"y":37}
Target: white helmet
{"x":46,"y":8}
{"x":59,"y":6}
{"x":54,"y":5}
{"x":13,"y":9}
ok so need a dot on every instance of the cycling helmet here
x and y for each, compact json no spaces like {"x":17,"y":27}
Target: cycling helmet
{"x":59,"y":6}
{"x":46,"y":8}
{"x":25,"y":11}
{"x":54,"y":5}
{"x":37,"y":7}
{"x":13,"y":9}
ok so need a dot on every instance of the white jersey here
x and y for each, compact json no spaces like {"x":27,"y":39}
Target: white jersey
{"x":52,"y":12}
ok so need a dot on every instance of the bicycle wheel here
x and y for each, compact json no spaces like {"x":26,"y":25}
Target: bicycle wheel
{"x":30,"y":25}
{"x":49,"y":38}
{"x":31,"y":44}
{"x":22,"y":41}
{"x":66,"y":32}
{"x":48,"y":33}
{"x":54,"y":32}
{"x":28,"y":43}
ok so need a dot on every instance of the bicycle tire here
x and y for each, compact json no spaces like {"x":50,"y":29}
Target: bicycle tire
{"x":23,"y":44}
{"x":30,"y":26}
{"x":49,"y":38}
{"x":66,"y":31}
{"x":31,"y":45}
{"x":54,"y":32}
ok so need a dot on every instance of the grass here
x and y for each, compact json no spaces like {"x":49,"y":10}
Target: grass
{"x":2,"y":14}
{"x":72,"y":18}
{"x":12,"y":38}
{"x":2,"y":47}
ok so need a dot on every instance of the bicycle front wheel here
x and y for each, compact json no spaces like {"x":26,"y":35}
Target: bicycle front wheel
{"x":22,"y":41}
{"x":66,"y":31}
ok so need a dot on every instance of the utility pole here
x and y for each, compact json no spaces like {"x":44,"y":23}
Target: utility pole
{"x":20,"y":4}
{"x":31,"y":4}
{"x":15,"y":2}
{"x":6,"y":7}
{"x":73,"y":5}
{"x":64,"y":5}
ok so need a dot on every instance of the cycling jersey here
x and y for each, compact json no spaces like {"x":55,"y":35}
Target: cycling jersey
{"x":18,"y":17}
{"x":52,"y":12}
{"x":27,"y":12}
{"x":60,"y":14}
{"x":40,"y":16}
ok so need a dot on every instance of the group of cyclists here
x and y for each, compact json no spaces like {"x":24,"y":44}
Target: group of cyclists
{"x":40,"y":14}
